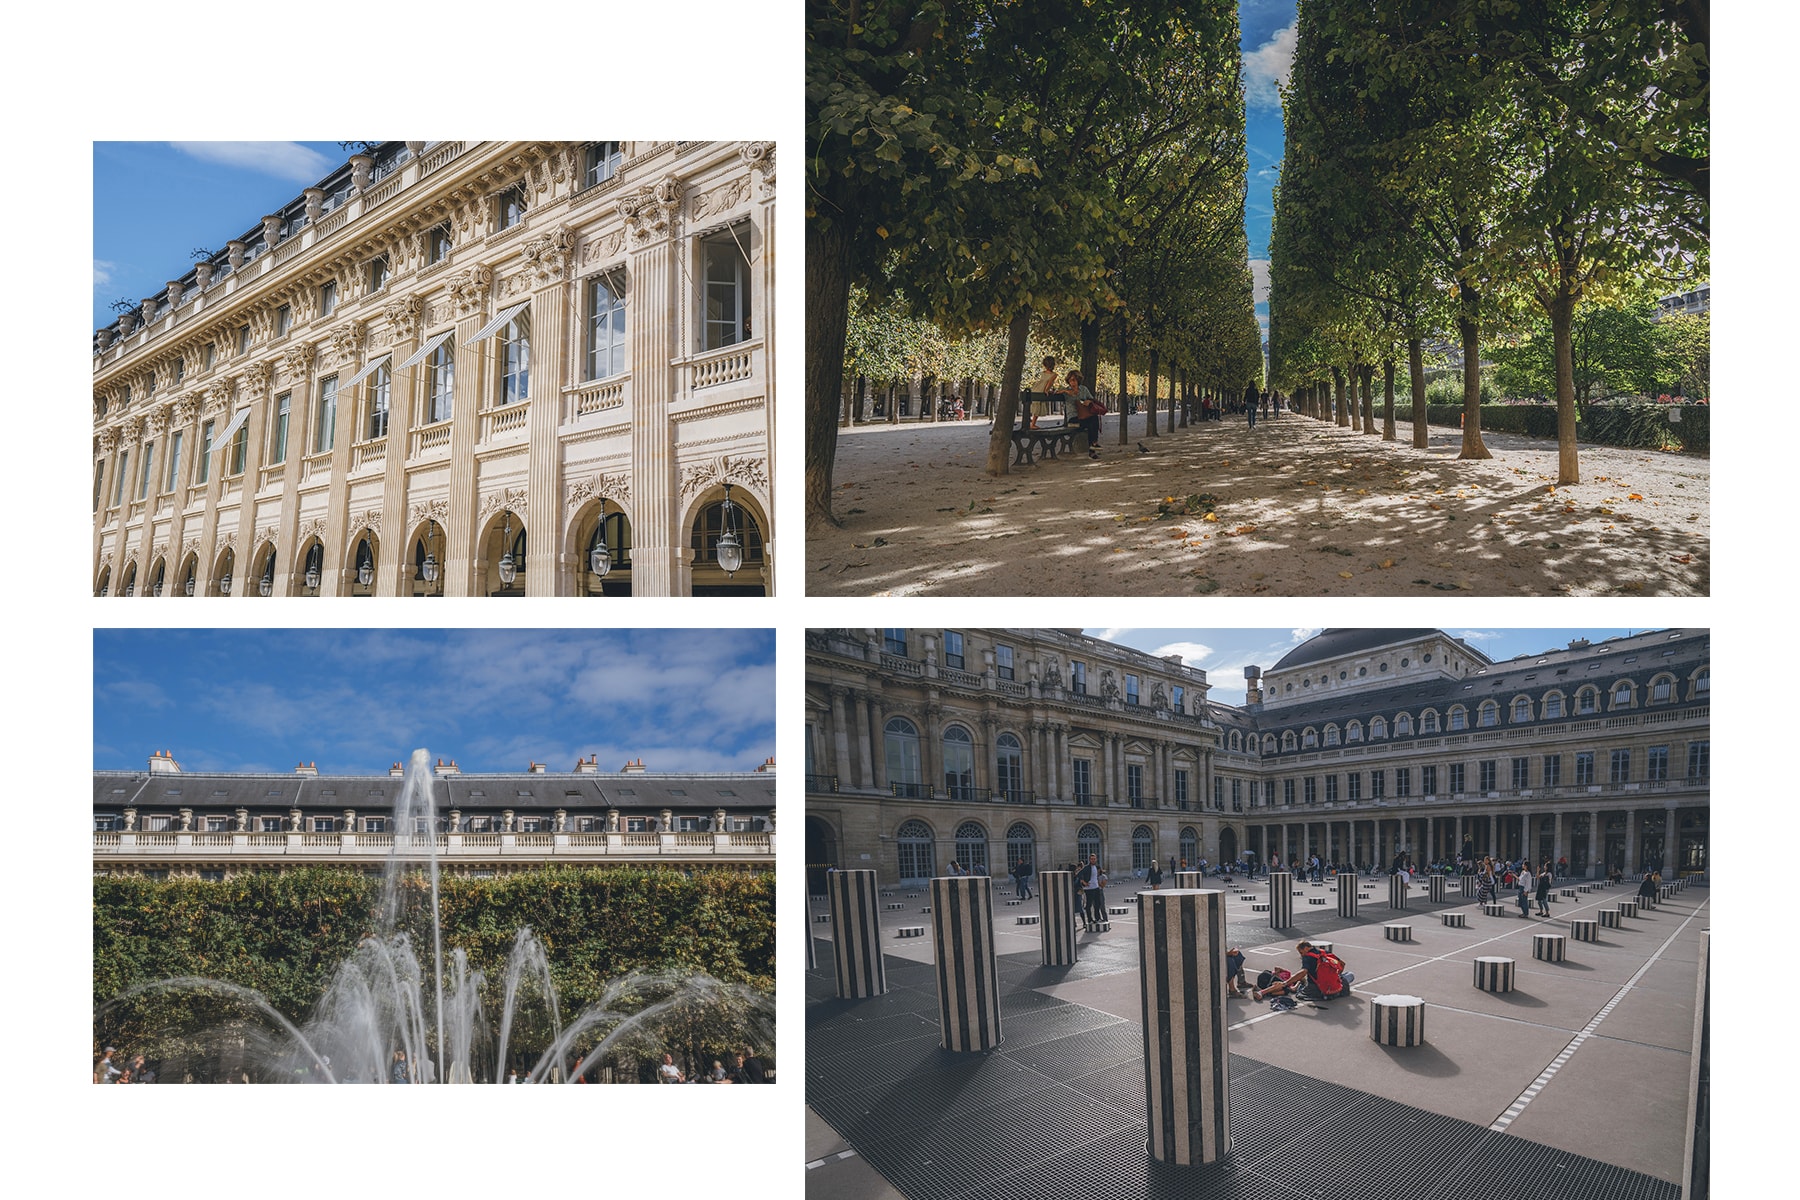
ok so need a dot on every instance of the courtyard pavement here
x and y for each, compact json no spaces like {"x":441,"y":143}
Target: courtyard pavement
{"x":1575,"y":1084}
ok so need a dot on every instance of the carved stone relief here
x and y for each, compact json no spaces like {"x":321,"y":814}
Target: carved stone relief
{"x":724,"y":469}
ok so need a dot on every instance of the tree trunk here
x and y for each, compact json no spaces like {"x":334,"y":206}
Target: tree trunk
{"x":1124,"y":402}
{"x":857,"y":415}
{"x":1186,"y":399}
{"x":1415,"y":369}
{"x":1090,"y":354}
{"x":1150,"y":418}
{"x":1000,"y":436}
{"x":1387,"y":402}
{"x":827,"y":318}
{"x":1169,"y":420}
{"x":1368,"y":398}
{"x":1469,"y":325}
{"x":1562,"y":326}
{"x":1355,"y":381}
{"x":1337,"y":377}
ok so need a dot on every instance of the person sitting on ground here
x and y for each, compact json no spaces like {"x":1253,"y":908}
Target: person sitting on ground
{"x":1234,"y":971}
{"x":1321,"y":977}
{"x":1647,"y":888}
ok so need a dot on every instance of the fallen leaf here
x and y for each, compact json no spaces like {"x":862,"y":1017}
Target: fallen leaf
{"x":1681,"y":558}
{"x":1210,"y":517}
{"x":1386,"y":563}
{"x":1345,"y":575}
{"x":1634,"y":496}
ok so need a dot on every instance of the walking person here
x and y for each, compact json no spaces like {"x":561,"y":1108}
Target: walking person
{"x":1251,"y":396}
{"x":1543,"y":889}
{"x":1527,"y":886}
{"x":1093,"y":891}
{"x":1022,"y":876}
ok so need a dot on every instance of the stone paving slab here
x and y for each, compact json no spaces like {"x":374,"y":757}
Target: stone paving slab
{"x":1630,"y":1101}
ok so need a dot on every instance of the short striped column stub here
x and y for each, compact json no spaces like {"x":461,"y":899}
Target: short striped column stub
{"x":1584,"y":929}
{"x":1437,"y":884}
{"x":1549,"y":947}
{"x":1494,"y":910}
{"x":1259,"y":908}
{"x":1468,"y":887}
{"x":1346,"y":890}
{"x":1325,"y":947}
{"x":1610,"y":918}
{"x":1181,"y":959}
{"x":1187,"y":880}
{"x":1397,"y":931}
{"x":1570,"y":892}
{"x":1397,"y":1021}
{"x":856,"y":934}
{"x":1584,"y":888}
{"x":1317,"y":900}
{"x":1281,"y":899}
{"x":910,"y":931}
{"x":1628,"y":908}
{"x":1494,"y":974}
{"x":1456,"y":920}
{"x":968,"y":978}
{"x":1397,"y":890}
{"x":1056,"y":906}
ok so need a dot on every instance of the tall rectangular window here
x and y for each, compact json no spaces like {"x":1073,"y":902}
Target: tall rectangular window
{"x":1003,"y":661}
{"x":510,"y":207}
{"x":1287,"y":792}
{"x":1310,"y":789}
{"x":1656,"y":765}
{"x":1179,"y":695}
{"x":1218,"y":792}
{"x":240,"y":449}
{"x":1331,"y":790}
{"x":99,"y":481}
{"x":893,"y":641}
{"x":1237,"y":795}
{"x":1489,"y":772}
{"x":328,"y":297}
{"x":203,"y":467}
{"x":1619,"y":769}
{"x":284,"y":320}
{"x":325,"y":424}
{"x":603,"y":161}
{"x":1377,"y":785}
{"x":1458,"y":777}
{"x":1078,"y":678}
{"x":440,"y":377}
{"x":174,"y":460}
{"x":515,"y":361}
{"x":1134,"y":784}
{"x":243,"y":339}
{"x":1699,"y":760}
{"x":378,"y":273}
{"x":1131,"y":689}
{"x":953,"y":649}
{"x":605,"y":327}
{"x":437,"y":243}
{"x":1181,"y":788}
{"x":1353,"y":786}
{"x":1521,"y":773}
{"x":145,"y":466}
{"x":380,"y":383}
{"x":1552,"y":770}
{"x":727,"y":282}
{"x":1428,"y":781}
{"x":119,"y":479}
{"x":1584,"y":768}
{"x":1403,"y":782}
{"x":1083,"y":775}
{"x":278,"y":435}
{"x":210,"y":354}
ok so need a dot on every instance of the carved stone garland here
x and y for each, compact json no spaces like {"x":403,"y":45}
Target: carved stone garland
{"x":724,"y":469}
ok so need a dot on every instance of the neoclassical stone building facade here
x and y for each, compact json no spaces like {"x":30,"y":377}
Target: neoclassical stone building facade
{"x":990,"y":745}
{"x":163,"y":821}
{"x":457,"y":368}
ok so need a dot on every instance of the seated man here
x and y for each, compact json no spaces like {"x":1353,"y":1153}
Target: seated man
{"x":1234,"y":972}
{"x":1321,"y":977}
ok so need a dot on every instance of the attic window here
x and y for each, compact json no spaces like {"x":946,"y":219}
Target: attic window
{"x":524,"y":792}
{"x":121,"y":792}
{"x":676,"y":792}
{"x":627,"y":792}
{"x":571,"y":792}
{"x":1631,"y":658}
{"x":726,"y":792}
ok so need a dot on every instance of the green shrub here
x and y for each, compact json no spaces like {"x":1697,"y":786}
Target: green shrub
{"x":1643,"y":425}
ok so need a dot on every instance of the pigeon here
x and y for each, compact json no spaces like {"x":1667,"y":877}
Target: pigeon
{"x":1143,"y":449}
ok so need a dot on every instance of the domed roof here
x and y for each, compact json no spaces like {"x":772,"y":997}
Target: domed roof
{"x":1335,"y":643}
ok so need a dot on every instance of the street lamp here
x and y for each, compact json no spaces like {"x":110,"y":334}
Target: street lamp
{"x":729,"y":552}
{"x":312,"y":567}
{"x":187,"y":585}
{"x":508,"y":570}
{"x":225,"y":579}
{"x":266,"y":584}
{"x":156,"y":589}
{"x":365,"y":562}
{"x":430,"y":566}
{"x":600,"y":557}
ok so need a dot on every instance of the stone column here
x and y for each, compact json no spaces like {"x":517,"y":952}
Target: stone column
{"x":1437,"y":889}
{"x":394,"y":560}
{"x":1346,"y":895}
{"x":1181,"y":957}
{"x":1397,"y":890}
{"x":1631,"y":841}
{"x":841,"y":733}
{"x":1281,"y":900}
{"x":1596,"y":846}
{"x":1056,"y":920}
{"x":551,"y":564}
{"x":874,"y":741}
{"x":968,"y":981}
{"x":856,"y":933}
{"x":1559,"y":847}
{"x":1671,"y":853}
{"x":657,"y":302}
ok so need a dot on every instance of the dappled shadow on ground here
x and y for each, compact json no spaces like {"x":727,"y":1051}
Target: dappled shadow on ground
{"x":1293,"y":507}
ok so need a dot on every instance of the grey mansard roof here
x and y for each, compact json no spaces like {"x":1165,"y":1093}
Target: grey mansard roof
{"x":470,"y":793}
{"x":1334,"y":643}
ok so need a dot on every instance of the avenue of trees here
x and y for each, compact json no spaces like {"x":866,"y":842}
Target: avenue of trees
{"x":1492,"y":173}
{"x":981,"y":171}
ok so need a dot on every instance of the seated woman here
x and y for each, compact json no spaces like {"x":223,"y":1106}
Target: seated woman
{"x":1087,"y":412}
{"x":1321,"y":977}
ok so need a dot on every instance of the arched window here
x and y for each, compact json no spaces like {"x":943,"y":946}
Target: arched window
{"x":914,"y":843}
{"x":1287,"y":739}
{"x":1143,"y":848}
{"x":1237,"y":740}
{"x":1309,"y":738}
{"x":1662,"y":689}
{"x":1702,"y":682}
{"x":1622,"y":693}
{"x":1021,"y":845}
{"x":1428,"y":721}
{"x":1459,"y":717}
{"x":1011,"y":757}
{"x":1268,"y":743}
{"x":959,"y":763}
{"x":901,"y":745}
{"x":1377,"y":728}
{"x":1521,"y":709}
{"x":1488,"y":715}
{"x":1331,"y":735}
{"x":1403,"y":725}
{"x":709,"y":525}
{"x":1087,"y":844}
{"x":971,"y":848}
{"x":1353,"y":732}
{"x":1587,"y":700}
{"x":1553,"y":705}
{"x":1190,"y":847}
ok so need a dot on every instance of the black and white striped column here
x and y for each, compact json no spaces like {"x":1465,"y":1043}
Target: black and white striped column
{"x":1397,"y":890}
{"x":1397,"y":1021}
{"x":1494,"y":974}
{"x":962,"y":920}
{"x":1609,"y":918}
{"x":1281,"y":899}
{"x":1187,"y":879}
{"x":1628,"y":908}
{"x":1549,"y":947}
{"x":1181,"y":969}
{"x":1584,"y":929}
{"x":1056,"y":905}
{"x":1456,"y":920}
{"x":1346,"y":889}
{"x":856,"y":934}
{"x":1397,"y":931}
{"x":1468,"y":887}
{"x":1437,"y":889}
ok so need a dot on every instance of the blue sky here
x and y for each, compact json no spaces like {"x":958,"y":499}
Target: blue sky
{"x":1224,"y":653}
{"x":1266,"y":35}
{"x":494,"y":700}
{"x":156,"y":202}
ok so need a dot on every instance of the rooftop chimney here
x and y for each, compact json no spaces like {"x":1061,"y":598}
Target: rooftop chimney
{"x":309,"y":769}
{"x":449,"y":768}
{"x":396,"y":771}
{"x":537,"y":768}
{"x":634,"y":767}
{"x":163,"y":763}
{"x":768,"y":767}
{"x":588,"y":766}
{"x":1580,"y":644}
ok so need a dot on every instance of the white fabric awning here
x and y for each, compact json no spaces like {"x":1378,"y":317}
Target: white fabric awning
{"x":237,"y":420}
{"x":498,"y":323}
{"x":367,"y":371}
{"x":424,"y":352}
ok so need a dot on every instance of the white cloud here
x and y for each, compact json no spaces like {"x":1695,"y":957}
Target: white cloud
{"x":103,"y":273}
{"x":1267,"y":66}
{"x":284,"y":160}
{"x":1259,"y":278}
{"x":1300,"y":635}
{"x":1108,"y":635}
{"x":1192,"y":653}
{"x":1479,"y":635}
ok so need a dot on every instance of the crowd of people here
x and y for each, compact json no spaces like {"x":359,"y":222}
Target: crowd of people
{"x":747,"y":1067}
{"x":1087,"y":409}
{"x":137,"y":1070}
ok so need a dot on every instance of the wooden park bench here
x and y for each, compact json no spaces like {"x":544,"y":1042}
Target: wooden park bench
{"x":1030,"y":442}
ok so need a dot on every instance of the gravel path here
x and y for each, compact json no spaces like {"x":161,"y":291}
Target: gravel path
{"x":1294,"y":507}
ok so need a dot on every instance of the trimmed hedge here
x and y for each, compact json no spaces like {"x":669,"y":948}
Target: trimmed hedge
{"x":1643,"y":425}
{"x":285,"y":933}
